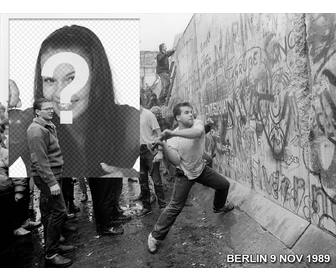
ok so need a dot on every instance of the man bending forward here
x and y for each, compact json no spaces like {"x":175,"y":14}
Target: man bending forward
{"x":184,"y":149}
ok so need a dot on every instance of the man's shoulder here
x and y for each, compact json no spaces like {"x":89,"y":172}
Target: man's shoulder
{"x":35,"y":129}
{"x":148,"y":113}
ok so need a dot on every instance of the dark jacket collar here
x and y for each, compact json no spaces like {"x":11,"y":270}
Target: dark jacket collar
{"x":44,"y":123}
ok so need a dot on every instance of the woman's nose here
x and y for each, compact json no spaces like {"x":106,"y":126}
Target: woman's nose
{"x":57,"y":91}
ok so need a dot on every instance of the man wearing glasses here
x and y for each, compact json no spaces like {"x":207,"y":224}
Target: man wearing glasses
{"x":46,"y":169}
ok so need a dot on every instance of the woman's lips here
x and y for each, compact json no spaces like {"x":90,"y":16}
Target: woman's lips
{"x":66,"y":106}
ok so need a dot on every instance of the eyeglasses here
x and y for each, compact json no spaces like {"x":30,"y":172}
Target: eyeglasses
{"x":48,"y":109}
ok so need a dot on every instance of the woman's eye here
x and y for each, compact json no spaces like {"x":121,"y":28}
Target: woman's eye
{"x":48,"y":80}
{"x":70,"y":78}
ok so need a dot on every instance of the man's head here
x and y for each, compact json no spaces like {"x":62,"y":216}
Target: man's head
{"x":163,"y":48}
{"x":183,"y":114}
{"x":142,"y":99}
{"x":44,"y":109}
{"x":14,"y":95}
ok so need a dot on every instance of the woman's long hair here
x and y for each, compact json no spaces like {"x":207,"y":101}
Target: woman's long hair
{"x":100,"y":122}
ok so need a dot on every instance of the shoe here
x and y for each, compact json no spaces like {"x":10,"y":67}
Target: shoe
{"x":226,"y":208}
{"x":58,"y":261}
{"x":120,"y":211}
{"x":84,"y":198}
{"x":144,"y":212}
{"x":71,"y":216}
{"x":152,"y":244}
{"x":66,"y":248}
{"x":30,"y":225}
{"x":114,"y":230}
{"x":21,"y":231}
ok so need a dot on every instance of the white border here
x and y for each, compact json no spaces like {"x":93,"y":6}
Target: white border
{"x":4,"y":57}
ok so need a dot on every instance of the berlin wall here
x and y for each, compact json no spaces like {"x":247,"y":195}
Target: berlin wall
{"x":268,"y":82}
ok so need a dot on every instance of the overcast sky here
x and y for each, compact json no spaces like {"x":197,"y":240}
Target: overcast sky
{"x":161,"y":28}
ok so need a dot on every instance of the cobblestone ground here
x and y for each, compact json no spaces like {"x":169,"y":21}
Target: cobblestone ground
{"x":199,"y":238}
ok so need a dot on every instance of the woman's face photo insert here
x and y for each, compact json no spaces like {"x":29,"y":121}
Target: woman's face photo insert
{"x":63,"y":75}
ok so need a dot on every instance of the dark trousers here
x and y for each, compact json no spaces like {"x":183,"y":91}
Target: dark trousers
{"x":209,"y":178}
{"x":165,"y":82}
{"x":21,"y":209}
{"x":53,"y":216}
{"x":7,"y":206}
{"x":148,"y":167}
{"x":68,"y":191}
{"x":105,"y":194}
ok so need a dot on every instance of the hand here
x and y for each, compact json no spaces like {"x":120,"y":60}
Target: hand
{"x":158,"y":142}
{"x":158,"y":157}
{"x":55,"y":189}
{"x":166,"y":134}
{"x":18,"y":196}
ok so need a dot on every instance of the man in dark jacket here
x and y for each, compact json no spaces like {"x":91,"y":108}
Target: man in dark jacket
{"x":162,"y":69}
{"x":46,"y":169}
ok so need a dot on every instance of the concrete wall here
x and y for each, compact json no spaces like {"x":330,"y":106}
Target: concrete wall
{"x":267,"y":81}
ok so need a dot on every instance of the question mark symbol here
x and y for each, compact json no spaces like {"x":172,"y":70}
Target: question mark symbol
{"x":81,"y":76}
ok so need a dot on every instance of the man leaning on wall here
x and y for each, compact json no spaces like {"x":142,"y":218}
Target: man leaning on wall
{"x":162,"y":69}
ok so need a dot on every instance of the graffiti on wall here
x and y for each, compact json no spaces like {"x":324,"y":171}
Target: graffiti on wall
{"x":246,"y":92}
{"x":240,"y":72}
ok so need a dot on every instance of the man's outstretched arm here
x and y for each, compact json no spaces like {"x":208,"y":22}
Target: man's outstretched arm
{"x":194,"y":132}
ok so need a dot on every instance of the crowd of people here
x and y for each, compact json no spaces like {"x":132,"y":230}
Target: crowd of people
{"x":173,"y":146}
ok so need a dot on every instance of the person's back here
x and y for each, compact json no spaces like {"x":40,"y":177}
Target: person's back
{"x":162,"y":65}
{"x":148,"y":124}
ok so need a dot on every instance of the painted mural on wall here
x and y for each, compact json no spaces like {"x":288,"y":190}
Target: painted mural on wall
{"x":246,"y":73}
